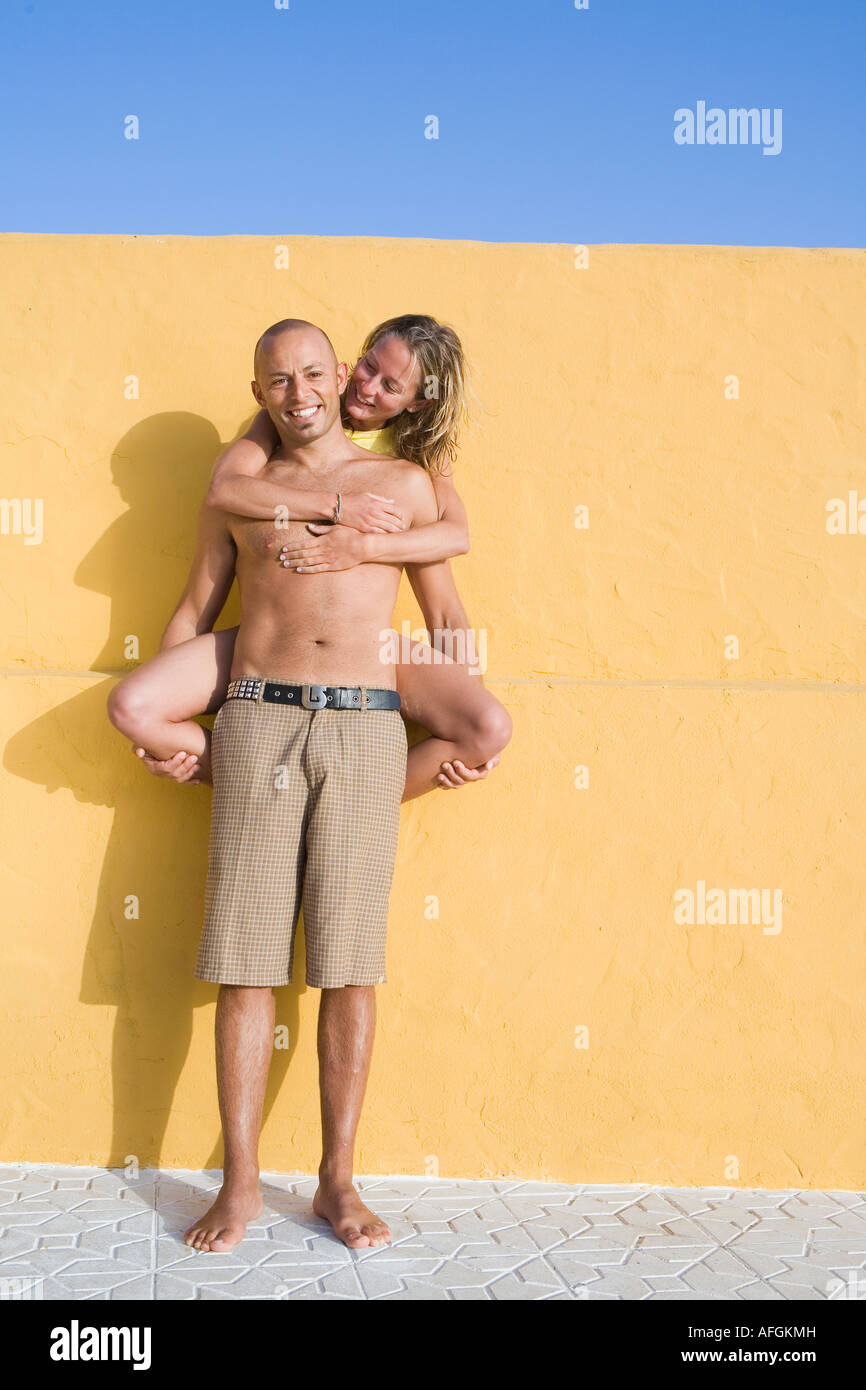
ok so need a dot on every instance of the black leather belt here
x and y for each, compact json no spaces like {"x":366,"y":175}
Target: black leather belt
{"x":312,"y":696}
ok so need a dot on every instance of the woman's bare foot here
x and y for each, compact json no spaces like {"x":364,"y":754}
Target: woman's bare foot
{"x":356,"y":1225}
{"x":225,"y":1223}
{"x":193,"y":770}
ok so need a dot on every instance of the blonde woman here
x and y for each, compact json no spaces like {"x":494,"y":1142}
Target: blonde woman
{"x":406,"y":397}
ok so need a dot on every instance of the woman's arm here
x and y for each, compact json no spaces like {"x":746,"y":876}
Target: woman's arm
{"x":441,"y":540}
{"x":337,"y":549}
{"x":235,"y":488}
{"x":434,"y":586}
{"x":436,"y":592}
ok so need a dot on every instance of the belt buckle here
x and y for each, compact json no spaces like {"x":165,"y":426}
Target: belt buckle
{"x":313,"y":696}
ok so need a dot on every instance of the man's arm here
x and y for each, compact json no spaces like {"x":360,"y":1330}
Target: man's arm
{"x":208,"y":583}
{"x":236,"y":487}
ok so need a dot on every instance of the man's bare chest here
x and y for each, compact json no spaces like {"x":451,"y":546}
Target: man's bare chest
{"x":261,"y":539}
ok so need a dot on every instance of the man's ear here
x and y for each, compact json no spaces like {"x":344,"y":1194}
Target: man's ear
{"x":342,"y":376}
{"x":257,"y":392}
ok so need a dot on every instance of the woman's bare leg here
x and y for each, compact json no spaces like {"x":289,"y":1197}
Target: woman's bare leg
{"x":154,"y":705}
{"x":465,"y":721}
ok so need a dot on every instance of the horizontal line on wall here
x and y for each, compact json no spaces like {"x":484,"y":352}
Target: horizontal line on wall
{"x":574,"y":682}
{"x":849,"y":688}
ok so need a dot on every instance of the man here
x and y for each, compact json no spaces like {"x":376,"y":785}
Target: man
{"x":308,"y":759}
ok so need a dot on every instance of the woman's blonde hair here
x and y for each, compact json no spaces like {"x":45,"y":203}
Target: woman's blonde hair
{"x":429,"y":436}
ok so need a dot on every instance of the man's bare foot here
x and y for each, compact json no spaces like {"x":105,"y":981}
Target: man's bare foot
{"x":356,"y":1225}
{"x":225,"y":1223}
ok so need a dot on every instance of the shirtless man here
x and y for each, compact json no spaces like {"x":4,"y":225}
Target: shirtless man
{"x":308,"y":759}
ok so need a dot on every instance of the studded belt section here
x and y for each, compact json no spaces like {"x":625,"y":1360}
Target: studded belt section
{"x":312,"y":696}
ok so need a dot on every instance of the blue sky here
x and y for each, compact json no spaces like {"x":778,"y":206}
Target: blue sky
{"x":554,"y":124}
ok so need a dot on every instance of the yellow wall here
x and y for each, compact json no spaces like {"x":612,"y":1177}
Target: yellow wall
{"x":602,"y":386}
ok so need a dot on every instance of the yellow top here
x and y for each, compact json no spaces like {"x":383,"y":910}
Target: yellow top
{"x":377,"y":441}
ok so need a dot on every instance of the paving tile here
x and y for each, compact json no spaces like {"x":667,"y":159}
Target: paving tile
{"x":677,"y":1296}
{"x":251,"y":1283}
{"x":764,"y":1265}
{"x":306,"y":1264}
{"x":169,"y":1287}
{"x":675,"y":1251}
{"x":715,"y":1283}
{"x":726,"y":1260}
{"x":205,"y":1270}
{"x":815,"y":1275}
{"x":125,"y":1240}
{"x":798,"y":1293}
{"x":650,"y":1262}
{"x":17,"y":1242}
{"x":517,"y":1240}
{"x":344,"y":1282}
{"x":382,"y":1281}
{"x":851,"y":1243}
{"x":423,"y":1291}
{"x":48,"y":1262}
{"x":616,"y":1283}
{"x":400,"y":1268}
{"x":511,"y":1288}
{"x":771,"y":1243}
{"x":762,"y":1289}
{"x":95,"y":1234}
{"x":133,"y":1252}
{"x":568,"y":1221}
{"x":607,"y":1245}
{"x":52,"y":1289}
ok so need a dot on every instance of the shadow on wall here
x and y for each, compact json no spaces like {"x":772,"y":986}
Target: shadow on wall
{"x":157,"y":846}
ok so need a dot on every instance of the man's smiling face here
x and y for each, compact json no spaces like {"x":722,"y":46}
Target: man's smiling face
{"x":299,"y":382}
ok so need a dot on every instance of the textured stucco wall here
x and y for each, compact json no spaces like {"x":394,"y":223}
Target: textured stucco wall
{"x":717,"y":1054}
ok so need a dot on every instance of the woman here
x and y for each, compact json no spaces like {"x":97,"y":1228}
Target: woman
{"x":406,"y":397}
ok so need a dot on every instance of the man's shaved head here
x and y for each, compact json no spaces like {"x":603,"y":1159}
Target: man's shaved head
{"x":298,"y":381}
{"x":277,"y":330}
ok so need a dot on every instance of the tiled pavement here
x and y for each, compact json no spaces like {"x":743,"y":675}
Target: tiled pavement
{"x":92,"y":1233}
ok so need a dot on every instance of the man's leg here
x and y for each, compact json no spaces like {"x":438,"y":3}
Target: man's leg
{"x":347,"y":1024}
{"x":356,"y":761}
{"x":244,"y":1047}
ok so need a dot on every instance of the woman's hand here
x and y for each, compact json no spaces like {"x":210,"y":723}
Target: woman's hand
{"x":183,"y":767}
{"x":457,"y":774}
{"x":334,"y":548}
{"x":367,"y":511}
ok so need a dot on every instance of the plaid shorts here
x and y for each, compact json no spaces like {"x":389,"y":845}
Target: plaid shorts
{"x":306,"y":811}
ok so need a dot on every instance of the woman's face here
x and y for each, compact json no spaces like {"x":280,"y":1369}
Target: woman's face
{"x":384,"y":383}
